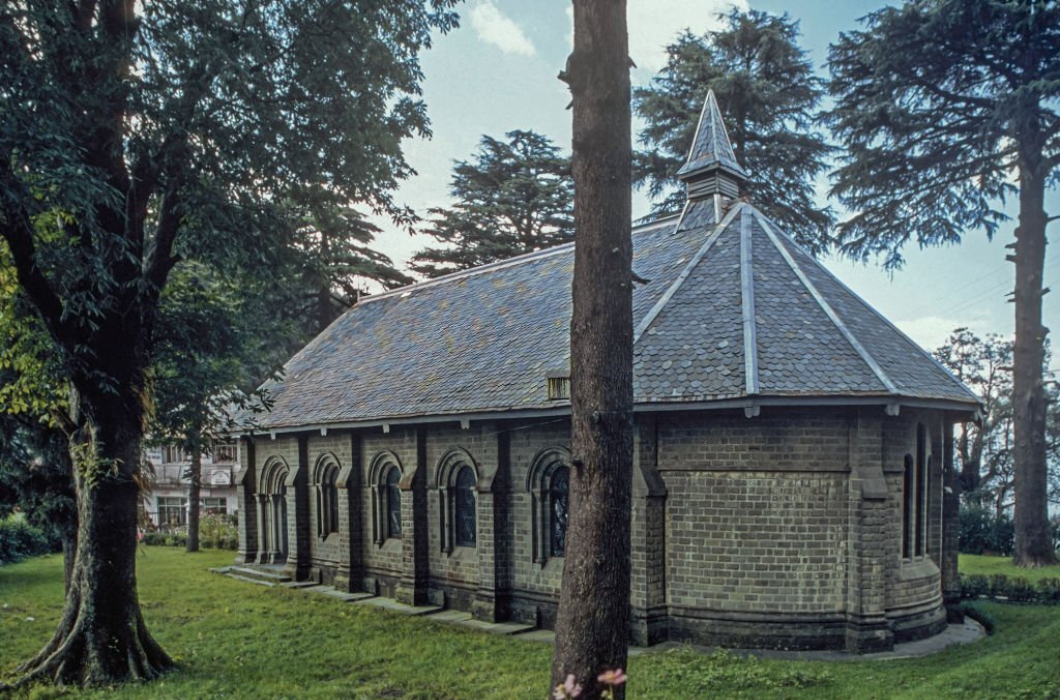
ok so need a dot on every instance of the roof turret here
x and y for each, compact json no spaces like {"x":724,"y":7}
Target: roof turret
{"x":712,"y":168}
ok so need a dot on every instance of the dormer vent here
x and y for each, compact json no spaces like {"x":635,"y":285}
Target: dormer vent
{"x":558,"y":386}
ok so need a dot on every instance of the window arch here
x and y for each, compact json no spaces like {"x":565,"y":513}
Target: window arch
{"x":464,"y":507}
{"x":559,"y":510}
{"x":457,"y":484}
{"x":915,"y":483}
{"x":384,"y":477}
{"x":325,"y":478}
{"x":393,"y":502}
{"x":548,"y":481}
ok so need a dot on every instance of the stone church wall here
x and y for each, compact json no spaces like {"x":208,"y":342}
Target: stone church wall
{"x":764,"y":531}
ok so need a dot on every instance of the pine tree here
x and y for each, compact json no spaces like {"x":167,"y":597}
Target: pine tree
{"x":940,"y":103}
{"x":767,"y":89}
{"x":592,"y":623}
{"x":512,"y":197}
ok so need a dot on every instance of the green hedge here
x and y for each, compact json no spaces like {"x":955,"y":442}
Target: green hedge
{"x":215,"y":532}
{"x":1014,"y":589}
{"x":19,"y":539}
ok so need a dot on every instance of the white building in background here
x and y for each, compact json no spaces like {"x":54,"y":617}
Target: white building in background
{"x":167,"y":503}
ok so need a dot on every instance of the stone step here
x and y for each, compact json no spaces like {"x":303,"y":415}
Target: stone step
{"x":299,"y":584}
{"x":219,"y":569}
{"x":333,"y":592}
{"x":394,"y":606}
{"x":248,"y":579}
{"x":503,"y":629}
{"x":273,"y":576}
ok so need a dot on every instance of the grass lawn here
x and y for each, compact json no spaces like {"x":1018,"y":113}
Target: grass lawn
{"x":236,"y":640}
{"x":987,"y":566}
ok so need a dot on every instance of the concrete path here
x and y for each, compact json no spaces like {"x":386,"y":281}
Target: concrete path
{"x":965,"y":633}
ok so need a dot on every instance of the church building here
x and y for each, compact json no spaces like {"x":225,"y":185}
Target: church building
{"x":793,"y":468}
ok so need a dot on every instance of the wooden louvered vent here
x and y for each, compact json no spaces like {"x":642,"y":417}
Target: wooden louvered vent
{"x":558,"y":387}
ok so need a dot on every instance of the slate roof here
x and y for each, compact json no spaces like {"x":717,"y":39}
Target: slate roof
{"x":734,"y":314}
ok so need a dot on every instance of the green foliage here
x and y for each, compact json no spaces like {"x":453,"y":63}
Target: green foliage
{"x":218,"y":532}
{"x":512,"y":197}
{"x":932,"y":100}
{"x":984,"y":453}
{"x":19,"y":539}
{"x":983,"y":531}
{"x":1014,"y":589}
{"x":768,"y":92}
{"x":165,"y":539}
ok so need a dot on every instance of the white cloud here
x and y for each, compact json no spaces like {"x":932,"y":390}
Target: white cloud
{"x":655,"y":23}
{"x":929,"y":332}
{"x":494,"y":27}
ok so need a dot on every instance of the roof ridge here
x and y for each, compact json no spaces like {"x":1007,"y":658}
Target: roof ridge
{"x":878,"y":315}
{"x":860,"y":349}
{"x":747,"y":296}
{"x":655,"y":310}
{"x":501,"y":264}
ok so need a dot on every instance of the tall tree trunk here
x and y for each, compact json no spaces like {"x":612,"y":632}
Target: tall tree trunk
{"x":194,"y":489}
{"x":1034,"y":546}
{"x":68,"y":535}
{"x":102,"y":638}
{"x":592,"y":627}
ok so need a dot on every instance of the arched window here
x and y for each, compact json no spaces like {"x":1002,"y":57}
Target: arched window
{"x":908,"y":506}
{"x":464,"y":507}
{"x":325,"y":476}
{"x":915,"y":486}
{"x":559,"y":510}
{"x":456,"y":486}
{"x":548,"y":481}
{"x":393,"y":503}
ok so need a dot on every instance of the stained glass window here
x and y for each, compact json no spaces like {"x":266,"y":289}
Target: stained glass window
{"x":464,"y":496}
{"x":393,"y":503}
{"x":559,"y":502}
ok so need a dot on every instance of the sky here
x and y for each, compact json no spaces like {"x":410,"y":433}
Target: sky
{"x":497,"y":73}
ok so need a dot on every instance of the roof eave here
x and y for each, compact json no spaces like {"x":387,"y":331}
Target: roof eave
{"x":891,"y":403}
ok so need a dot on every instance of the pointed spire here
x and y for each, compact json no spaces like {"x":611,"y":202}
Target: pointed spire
{"x":711,"y":167}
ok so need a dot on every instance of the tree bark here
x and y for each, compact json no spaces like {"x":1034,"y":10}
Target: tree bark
{"x":102,"y":638}
{"x":194,"y":489}
{"x":69,"y":539}
{"x":1034,"y":545}
{"x":592,"y":626}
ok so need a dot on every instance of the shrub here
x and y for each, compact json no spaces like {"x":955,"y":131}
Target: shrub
{"x":1015,"y":589}
{"x":218,"y":532}
{"x":983,"y":532}
{"x":19,"y":539}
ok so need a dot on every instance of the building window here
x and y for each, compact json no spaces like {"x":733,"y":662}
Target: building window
{"x":915,"y":497}
{"x":559,"y":505}
{"x":225,"y":452}
{"x":464,"y":506}
{"x":548,"y":481}
{"x":172,"y":511}
{"x":214,"y":506}
{"x":456,"y":480}
{"x":908,"y":506}
{"x":173,"y":455}
{"x":327,"y":493}
{"x":393,"y":503}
